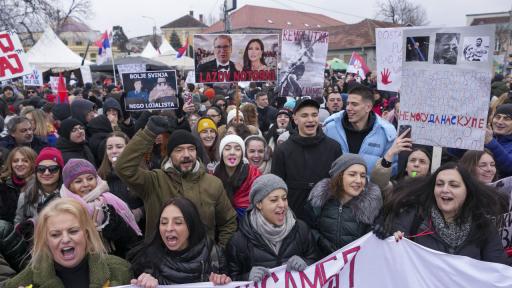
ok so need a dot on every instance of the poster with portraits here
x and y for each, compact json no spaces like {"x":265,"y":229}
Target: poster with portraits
{"x":446,"y":81}
{"x":303,"y":57}
{"x":235,"y":57}
{"x":155,"y":90}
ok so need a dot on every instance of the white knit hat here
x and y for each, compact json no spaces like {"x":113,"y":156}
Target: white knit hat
{"x":232,"y":115}
{"x":231,"y":139}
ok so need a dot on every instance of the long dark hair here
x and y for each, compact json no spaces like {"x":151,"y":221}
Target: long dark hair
{"x":148,"y":252}
{"x":403,"y":159}
{"x":247,"y":62}
{"x":481,"y":204}
{"x":471,"y":158}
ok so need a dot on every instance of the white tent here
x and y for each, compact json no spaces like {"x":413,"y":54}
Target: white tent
{"x":50,"y":53}
{"x":149,"y":51}
{"x":182,"y":63}
{"x":166,"y":48}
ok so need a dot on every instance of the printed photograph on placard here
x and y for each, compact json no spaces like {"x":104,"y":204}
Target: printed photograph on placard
{"x":447,"y":48}
{"x":150,"y":90}
{"x":476,"y":48}
{"x":417,"y":49}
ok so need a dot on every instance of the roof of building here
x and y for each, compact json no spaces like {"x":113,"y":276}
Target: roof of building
{"x":490,"y":20}
{"x":186,"y":21}
{"x":250,"y":16}
{"x":74,"y":25}
{"x":361,"y":34}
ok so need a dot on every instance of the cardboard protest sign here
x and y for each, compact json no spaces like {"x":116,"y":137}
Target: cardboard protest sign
{"x":150,"y":90}
{"x":86,"y":74}
{"x":389,"y":58}
{"x":371,"y":262}
{"x":13,"y":61}
{"x":504,"y":223}
{"x":444,"y":97}
{"x":303,"y":57}
{"x":235,"y":57}
{"x":54,"y":84}
{"x":35,"y":78}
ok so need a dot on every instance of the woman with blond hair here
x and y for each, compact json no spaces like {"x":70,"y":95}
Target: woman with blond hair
{"x":68,"y":252}
{"x":42,"y":127}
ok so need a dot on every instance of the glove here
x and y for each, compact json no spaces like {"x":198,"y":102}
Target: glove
{"x":26,"y":229}
{"x":158,"y":124}
{"x":381,"y":232}
{"x":295,"y":263}
{"x":258,"y":273}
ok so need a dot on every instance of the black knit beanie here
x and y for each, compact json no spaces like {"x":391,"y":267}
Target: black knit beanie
{"x":66,"y":126}
{"x":180,"y":137}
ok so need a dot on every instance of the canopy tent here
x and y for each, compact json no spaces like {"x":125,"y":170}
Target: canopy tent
{"x":149,"y":51}
{"x":337,"y":64}
{"x":151,"y":65}
{"x":182,"y":63}
{"x":166,"y":48}
{"x":50,"y":53}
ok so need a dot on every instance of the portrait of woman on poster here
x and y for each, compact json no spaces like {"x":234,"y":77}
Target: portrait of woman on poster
{"x":253,"y":56}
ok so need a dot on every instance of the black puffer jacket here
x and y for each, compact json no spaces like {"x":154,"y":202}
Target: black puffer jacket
{"x":14,"y":249}
{"x":195,"y":265}
{"x":118,"y":188}
{"x":301,"y":162}
{"x":335,"y":225}
{"x":72,"y":150}
{"x":112,"y":103}
{"x":490,"y":249}
{"x":98,"y":130}
{"x":9,"y":194}
{"x":247,"y":249}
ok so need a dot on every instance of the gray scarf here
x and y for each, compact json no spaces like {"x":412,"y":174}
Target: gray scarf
{"x":451,"y":233}
{"x":273,"y":235}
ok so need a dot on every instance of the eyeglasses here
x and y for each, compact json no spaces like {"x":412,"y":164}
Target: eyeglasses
{"x":52,"y":169}
{"x":225,"y":47}
{"x":31,"y":92}
{"x":76,"y":129}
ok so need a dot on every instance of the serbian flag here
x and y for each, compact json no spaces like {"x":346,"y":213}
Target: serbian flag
{"x":183,"y":50}
{"x":104,"y":49}
{"x":61,"y":90}
{"x":357,"y":65}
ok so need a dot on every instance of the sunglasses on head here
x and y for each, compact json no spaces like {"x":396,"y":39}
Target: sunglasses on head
{"x":52,"y":169}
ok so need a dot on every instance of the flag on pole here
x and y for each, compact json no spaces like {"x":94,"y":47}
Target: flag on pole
{"x":62,"y":92}
{"x":104,"y":49}
{"x":183,"y":50}
{"x":357,"y":65}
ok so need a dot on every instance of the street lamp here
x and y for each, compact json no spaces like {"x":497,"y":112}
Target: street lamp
{"x":154,"y":30}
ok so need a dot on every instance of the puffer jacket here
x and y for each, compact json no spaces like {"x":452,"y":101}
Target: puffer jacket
{"x":9,"y":194}
{"x":6,"y":271}
{"x":195,"y":265}
{"x":335,"y":225}
{"x":247,"y":249}
{"x":112,"y":103}
{"x":72,"y":150}
{"x":98,"y":130}
{"x":374,"y":145}
{"x":501,"y":148}
{"x":156,"y":186}
{"x":14,"y":249}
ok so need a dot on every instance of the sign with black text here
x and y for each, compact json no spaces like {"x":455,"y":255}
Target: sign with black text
{"x":153,"y":90}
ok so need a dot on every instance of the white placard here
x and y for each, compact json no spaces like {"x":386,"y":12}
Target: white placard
{"x":13,"y":60}
{"x":389,"y":58}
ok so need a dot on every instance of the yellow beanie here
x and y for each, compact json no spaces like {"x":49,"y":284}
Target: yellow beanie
{"x":205,"y":123}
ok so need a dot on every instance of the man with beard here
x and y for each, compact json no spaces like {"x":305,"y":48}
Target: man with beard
{"x":21,"y":133}
{"x":334,"y":103}
{"x":181,"y":174}
{"x":447,"y":47}
{"x":306,"y":157}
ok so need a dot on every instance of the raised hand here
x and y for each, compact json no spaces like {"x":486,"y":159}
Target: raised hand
{"x":385,"y":75}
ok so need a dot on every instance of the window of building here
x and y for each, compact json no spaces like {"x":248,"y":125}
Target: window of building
{"x":78,"y":43}
{"x":93,"y":55}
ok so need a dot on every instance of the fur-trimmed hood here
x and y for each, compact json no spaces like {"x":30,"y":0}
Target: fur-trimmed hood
{"x":366,"y":206}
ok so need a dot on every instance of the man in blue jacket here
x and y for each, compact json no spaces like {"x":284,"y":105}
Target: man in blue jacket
{"x":359,"y":130}
{"x":499,"y":139}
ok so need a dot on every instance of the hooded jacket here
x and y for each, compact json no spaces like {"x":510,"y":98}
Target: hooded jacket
{"x":128,"y":129}
{"x":98,"y":128}
{"x":301,"y":162}
{"x":72,"y":150}
{"x":156,"y":186}
{"x":80,"y":108}
{"x":375,"y":144}
{"x":103,"y":272}
{"x":336,"y":225}
{"x":247,"y":249}
{"x":501,"y":148}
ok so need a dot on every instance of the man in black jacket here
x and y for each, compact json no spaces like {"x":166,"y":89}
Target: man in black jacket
{"x":266,"y":113}
{"x":221,"y":68}
{"x":21,"y":133}
{"x":306,"y":157}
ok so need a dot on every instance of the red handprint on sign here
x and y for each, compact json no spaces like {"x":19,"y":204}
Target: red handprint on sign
{"x":385,"y":76}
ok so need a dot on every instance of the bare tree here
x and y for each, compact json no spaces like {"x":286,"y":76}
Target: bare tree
{"x":30,"y":16}
{"x":402,"y":12}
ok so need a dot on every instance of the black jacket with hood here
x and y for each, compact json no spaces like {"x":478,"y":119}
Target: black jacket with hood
{"x":112,"y":103}
{"x":99,"y":128}
{"x":72,"y":150}
{"x":247,"y":249}
{"x":335,"y":225}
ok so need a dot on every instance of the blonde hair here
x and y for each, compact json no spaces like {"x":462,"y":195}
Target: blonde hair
{"x":41,"y":253}
{"x":250,"y":112}
{"x":41,"y":123}
{"x":26,"y":152}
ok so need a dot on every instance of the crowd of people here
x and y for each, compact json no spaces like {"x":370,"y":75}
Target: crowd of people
{"x":231,"y":185}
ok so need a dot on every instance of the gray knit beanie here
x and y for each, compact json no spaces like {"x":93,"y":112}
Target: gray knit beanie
{"x":263,"y":186}
{"x":344,"y":161}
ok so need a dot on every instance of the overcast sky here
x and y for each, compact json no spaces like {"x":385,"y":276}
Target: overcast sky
{"x":128,"y":13}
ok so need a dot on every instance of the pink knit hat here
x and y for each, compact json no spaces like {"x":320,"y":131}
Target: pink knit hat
{"x":75,"y":168}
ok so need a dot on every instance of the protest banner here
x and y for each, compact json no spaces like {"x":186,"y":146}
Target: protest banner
{"x":151,"y":90}
{"x":371,"y":262}
{"x":86,"y":74}
{"x":389,"y":58}
{"x":35,"y":78}
{"x":235,"y":57}
{"x":131,"y":68}
{"x":13,"y":60}
{"x":444,"y":96}
{"x":303,"y":57}
{"x":54,"y":84}
{"x":504,"y":223}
